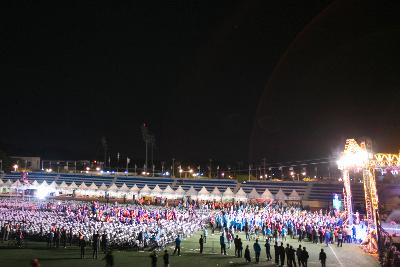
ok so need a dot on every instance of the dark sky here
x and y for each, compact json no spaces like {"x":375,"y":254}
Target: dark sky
{"x":195,"y":71}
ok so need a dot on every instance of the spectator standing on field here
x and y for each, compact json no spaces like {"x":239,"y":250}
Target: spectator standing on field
{"x":247,"y":256}
{"x":268,"y":250}
{"x":257,"y":250}
{"x":322,"y":258}
{"x":177,"y":246}
{"x":201,"y":242}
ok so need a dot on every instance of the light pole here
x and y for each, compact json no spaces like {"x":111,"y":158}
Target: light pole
{"x":210,"y":171}
{"x":249,"y":172}
{"x":173,"y":168}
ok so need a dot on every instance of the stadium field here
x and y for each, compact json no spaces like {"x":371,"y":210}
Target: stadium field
{"x":348,"y":255}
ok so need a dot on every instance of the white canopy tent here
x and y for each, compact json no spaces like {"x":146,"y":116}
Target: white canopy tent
{"x":241,"y":195}
{"x":8,"y":183}
{"x":5,"y":187}
{"x":124,"y":191}
{"x":34,"y":184}
{"x":267,"y":195}
{"x":63,"y":187}
{"x":156,"y":191}
{"x":216,"y":194}
{"x":203,"y":194}
{"x":44,"y":184}
{"x":53,"y":185}
{"x":82,"y":189}
{"x":228,"y":195}
{"x":253,"y":194}
{"x":135,"y":190}
{"x":169,"y":193}
{"x":102,"y":189}
{"x":16,"y":184}
{"x":145,"y":191}
{"x":179,"y":192}
{"x":72,"y":187}
{"x":93,"y":187}
{"x":280,"y":196}
{"x":294,"y":196}
{"x":93,"y":190}
{"x":1,"y":186}
{"x":113,"y":190}
{"x":192,"y":193}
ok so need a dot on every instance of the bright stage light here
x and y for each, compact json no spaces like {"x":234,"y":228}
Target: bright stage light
{"x":41,"y":193}
{"x":357,"y":159}
{"x":15,"y":167}
{"x":97,"y":169}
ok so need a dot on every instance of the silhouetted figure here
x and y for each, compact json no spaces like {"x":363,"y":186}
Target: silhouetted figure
{"x":166,"y":258}
{"x":322,"y":258}
{"x":276,"y":248}
{"x":257,"y":250}
{"x":109,"y":258}
{"x":177,"y":246}
{"x":82,"y":245}
{"x":247,"y":256}
{"x":201,"y":243}
{"x":153,"y":257}
{"x":268,"y":250}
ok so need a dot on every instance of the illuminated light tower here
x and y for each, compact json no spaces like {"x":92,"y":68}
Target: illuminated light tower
{"x":354,"y":157}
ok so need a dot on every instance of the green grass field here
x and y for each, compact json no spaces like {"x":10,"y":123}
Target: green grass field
{"x":348,"y":255}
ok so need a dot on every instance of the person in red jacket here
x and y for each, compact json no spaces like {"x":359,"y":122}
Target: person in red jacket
{"x":35,"y":263}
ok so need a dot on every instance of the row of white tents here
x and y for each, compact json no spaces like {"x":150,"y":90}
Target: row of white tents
{"x":92,"y":190}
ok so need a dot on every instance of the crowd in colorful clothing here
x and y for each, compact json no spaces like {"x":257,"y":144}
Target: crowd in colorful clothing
{"x":62,"y":223}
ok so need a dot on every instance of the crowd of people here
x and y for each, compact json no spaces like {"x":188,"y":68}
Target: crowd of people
{"x":105,"y":225}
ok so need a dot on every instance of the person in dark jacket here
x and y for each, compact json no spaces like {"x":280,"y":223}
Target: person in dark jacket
{"x":104,"y":242}
{"x":82,"y":245}
{"x":236,"y":243}
{"x":292,"y":257}
{"x":257,"y":250}
{"x":201,"y":243}
{"x":282,"y":254}
{"x":240,"y":248}
{"x":276,"y":248}
{"x":304,"y":257}
{"x":298,"y":254}
{"x":166,"y":258}
{"x":268,"y":250}
{"x":177,"y":246}
{"x":222,"y":243}
{"x":109,"y":258}
{"x":287,"y":253}
{"x":64,"y":237}
{"x":247,"y":256}
{"x":153,"y":257}
{"x":322,"y":258}
{"x":96,"y":245}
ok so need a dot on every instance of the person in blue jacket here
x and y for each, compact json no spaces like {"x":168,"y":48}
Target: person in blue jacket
{"x":257,"y":250}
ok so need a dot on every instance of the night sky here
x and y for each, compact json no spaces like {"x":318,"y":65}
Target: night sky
{"x":205,"y":76}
